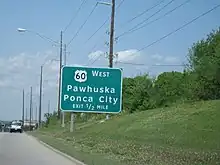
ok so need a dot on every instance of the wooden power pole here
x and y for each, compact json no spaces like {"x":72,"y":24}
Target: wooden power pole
{"x":30,"y":109}
{"x":111,"y":42}
{"x":61,"y":57}
{"x":112,"y":28}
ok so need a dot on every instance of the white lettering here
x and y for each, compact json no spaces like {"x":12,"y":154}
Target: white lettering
{"x":101,"y":99}
{"x":82,"y":89}
{"x":85,"y":99}
{"x":95,"y":73}
{"x":75,"y":89}
{"x":100,"y":74}
{"x":72,"y":98}
{"x":112,"y":90}
{"x":78,"y":98}
{"x":102,"y":107}
{"x":108,"y":99}
{"x":66,"y":97}
{"x":101,"y":90}
{"x":80,"y":106}
{"x":69,"y":87}
{"x":115,"y":100}
{"x":90,"y":89}
{"x":106,"y":90}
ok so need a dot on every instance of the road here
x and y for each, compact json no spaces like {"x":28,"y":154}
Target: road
{"x":21,"y":149}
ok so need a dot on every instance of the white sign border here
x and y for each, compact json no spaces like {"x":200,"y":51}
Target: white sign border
{"x":80,"y":111}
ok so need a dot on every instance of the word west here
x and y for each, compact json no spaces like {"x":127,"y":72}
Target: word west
{"x":100,"y":74}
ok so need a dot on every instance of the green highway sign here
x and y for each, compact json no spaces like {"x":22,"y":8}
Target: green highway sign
{"x":97,"y":90}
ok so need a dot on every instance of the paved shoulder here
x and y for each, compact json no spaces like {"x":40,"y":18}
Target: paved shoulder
{"x":21,"y":149}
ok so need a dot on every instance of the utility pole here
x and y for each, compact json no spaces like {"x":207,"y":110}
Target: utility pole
{"x":26,"y":114}
{"x":65,"y":54}
{"x":112,"y":28}
{"x":63,"y":114}
{"x":111,"y":43}
{"x":48,"y":110}
{"x":30,"y":108}
{"x":40,"y":99}
{"x":23,"y":106}
{"x":72,"y":122}
{"x":59,"y":86}
{"x":36,"y":113}
{"x":32,"y":112}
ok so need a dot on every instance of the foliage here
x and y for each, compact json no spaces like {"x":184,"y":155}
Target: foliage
{"x":200,"y":80}
{"x":50,"y":119}
{"x":175,"y":135}
{"x":185,"y":135}
{"x":204,"y":62}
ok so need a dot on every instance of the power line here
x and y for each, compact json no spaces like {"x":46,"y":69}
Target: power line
{"x":119,"y":5}
{"x":44,"y":37}
{"x":134,"y":18}
{"x":142,"y":13}
{"x":142,"y":64}
{"x":131,"y":31}
{"x":93,"y":48}
{"x":178,"y":29}
{"x":101,"y":54}
{"x":74,"y":16}
{"x":128,"y":20}
{"x":97,"y":30}
{"x":96,"y":59}
{"x":81,"y":27}
{"x":145,"y":20}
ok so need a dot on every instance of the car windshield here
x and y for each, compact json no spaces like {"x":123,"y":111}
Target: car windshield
{"x":17,"y":124}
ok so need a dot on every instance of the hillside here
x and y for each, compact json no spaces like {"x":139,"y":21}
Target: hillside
{"x":185,"y":134}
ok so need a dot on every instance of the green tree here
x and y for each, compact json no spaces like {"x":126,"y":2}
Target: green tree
{"x":204,"y":62}
{"x":136,"y":92}
{"x":170,"y":87}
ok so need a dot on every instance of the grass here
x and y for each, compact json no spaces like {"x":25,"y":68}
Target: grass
{"x":181,"y":135}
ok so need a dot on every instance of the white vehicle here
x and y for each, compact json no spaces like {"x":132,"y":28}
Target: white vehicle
{"x":16,"y":126}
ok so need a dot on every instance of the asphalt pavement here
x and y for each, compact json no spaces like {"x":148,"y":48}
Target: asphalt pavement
{"x":21,"y":149}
